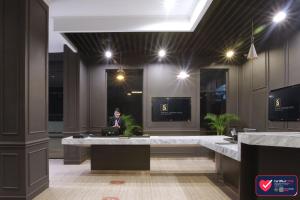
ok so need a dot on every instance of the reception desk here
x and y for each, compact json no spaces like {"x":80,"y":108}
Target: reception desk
{"x":215,"y":143}
{"x":121,"y":153}
{"x":255,"y":153}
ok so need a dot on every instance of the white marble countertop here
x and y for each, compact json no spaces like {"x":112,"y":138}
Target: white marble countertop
{"x":275,"y":139}
{"x":215,"y":143}
{"x":88,"y":141}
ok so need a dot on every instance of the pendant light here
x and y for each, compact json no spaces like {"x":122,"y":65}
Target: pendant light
{"x":252,"y":52}
{"x":120,"y":73}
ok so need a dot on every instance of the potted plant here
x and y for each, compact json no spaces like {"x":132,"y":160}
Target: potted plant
{"x":220,"y":122}
{"x":131,"y":127}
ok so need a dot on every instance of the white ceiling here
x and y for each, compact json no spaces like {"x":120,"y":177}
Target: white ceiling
{"x":122,"y":7}
{"x":125,"y":15}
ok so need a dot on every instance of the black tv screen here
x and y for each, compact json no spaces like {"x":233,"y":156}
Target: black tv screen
{"x":284,"y":104}
{"x":171,"y":109}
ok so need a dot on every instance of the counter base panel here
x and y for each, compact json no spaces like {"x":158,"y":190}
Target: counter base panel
{"x":266,"y":160}
{"x":120,"y":157}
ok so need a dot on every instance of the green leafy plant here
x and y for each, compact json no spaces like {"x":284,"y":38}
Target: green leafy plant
{"x":220,"y":122}
{"x":130,"y":125}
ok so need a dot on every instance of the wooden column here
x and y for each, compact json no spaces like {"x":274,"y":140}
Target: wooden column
{"x":76,"y":95}
{"x":23,"y":98}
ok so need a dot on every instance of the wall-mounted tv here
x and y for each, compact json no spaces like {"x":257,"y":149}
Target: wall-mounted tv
{"x":284,"y":104}
{"x":171,"y":109}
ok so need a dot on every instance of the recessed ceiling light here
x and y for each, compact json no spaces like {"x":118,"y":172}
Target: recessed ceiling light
{"x":128,"y":94}
{"x":183,"y":75}
{"x":162,"y":53}
{"x":108,"y":54}
{"x":229,"y":53}
{"x":279,"y":17}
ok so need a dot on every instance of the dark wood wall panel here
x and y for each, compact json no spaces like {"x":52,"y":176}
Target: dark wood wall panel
{"x":259,"y":109}
{"x":76,"y":94}
{"x":38,"y":70}
{"x":37,"y":166}
{"x":23,"y":98}
{"x":282,"y":70}
{"x":71,"y":91}
{"x":10,"y":174}
{"x":1,"y":68}
{"x":277,"y":68}
{"x":293,"y":55}
{"x":76,"y":104}
{"x":10,"y":39}
{"x":259,"y":72}
{"x":232,"y":88}
{"x":277,"y":78}
{"x":97,"y":98}
{"x":245,"y":94}
{"x":84,"y":98}
{"x":293,"y":62}
{"x":12,"y":171}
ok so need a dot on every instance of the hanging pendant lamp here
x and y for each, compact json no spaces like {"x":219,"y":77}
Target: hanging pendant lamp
{"x":252,"y":52}
{"x":120,"y":76}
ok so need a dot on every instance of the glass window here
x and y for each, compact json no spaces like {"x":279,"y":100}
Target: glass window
{"x":127,"y":95}
{"x":212,"y":93}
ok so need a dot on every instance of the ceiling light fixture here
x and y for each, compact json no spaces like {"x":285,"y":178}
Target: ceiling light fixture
{"x":108,"y":54}
{"x":230,"y":54}
{"x":252,"y":51}
{"x":162,"y":53}
{"x":120,"y":75}
{"x":183,"y":75}
{"x":279,"y":17}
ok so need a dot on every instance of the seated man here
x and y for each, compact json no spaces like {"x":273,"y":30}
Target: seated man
{"x":117,"y":122}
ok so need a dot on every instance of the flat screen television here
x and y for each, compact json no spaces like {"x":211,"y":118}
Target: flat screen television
{"x":284,"y":104}
{"x":171,"y":109}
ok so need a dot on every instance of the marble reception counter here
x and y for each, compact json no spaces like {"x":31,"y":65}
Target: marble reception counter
{"x":274,"y":139}
{"x":215,"y":143}
{"x":120,"y":153}
{"x":255,"y":153}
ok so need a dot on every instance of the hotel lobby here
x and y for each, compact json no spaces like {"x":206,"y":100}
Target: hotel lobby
{"x":149,"y":100}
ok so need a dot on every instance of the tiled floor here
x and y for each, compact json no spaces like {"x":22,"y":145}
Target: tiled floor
{"x":170,"y":178}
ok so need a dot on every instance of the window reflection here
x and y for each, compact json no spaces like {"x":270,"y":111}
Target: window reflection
{"x":212,"y":93}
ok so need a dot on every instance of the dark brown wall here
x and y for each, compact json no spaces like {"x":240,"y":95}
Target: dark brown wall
{"x":76,"y":94}
{"x":159,"y":80}
{"x":76,"y":104}
{"x":275,"y":68}
{"x":23,"y":98}
{"x":71,"y":92}
{"x":84,"y":89}
{"x":97,"y":98}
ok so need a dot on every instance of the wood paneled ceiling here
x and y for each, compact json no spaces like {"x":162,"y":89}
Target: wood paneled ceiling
{"x":226,"y":25}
